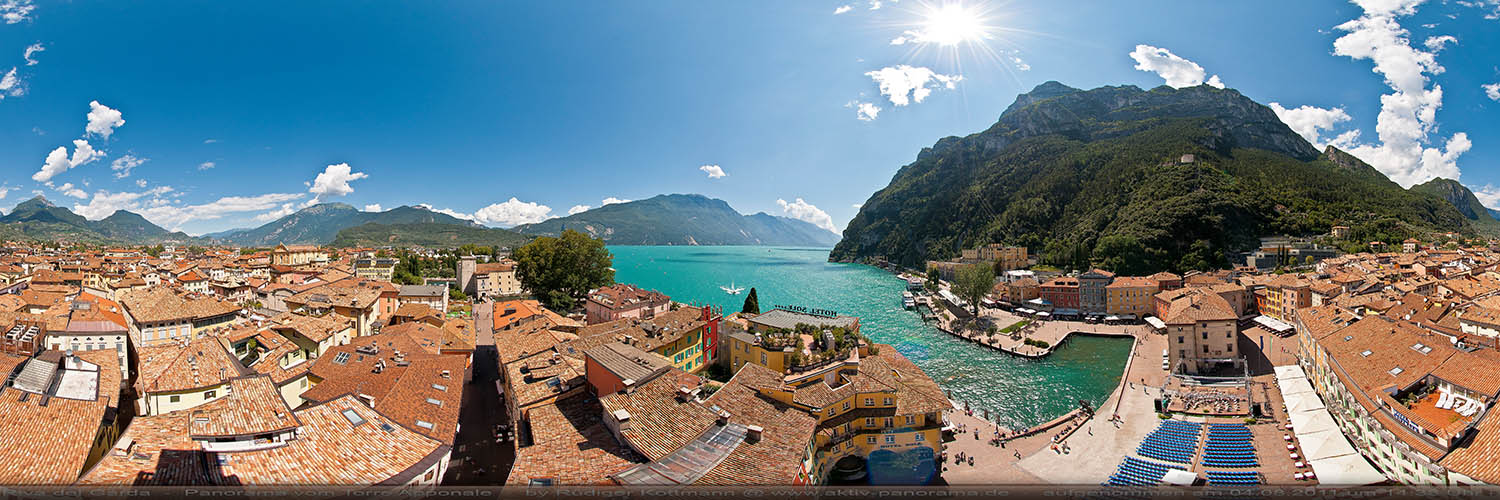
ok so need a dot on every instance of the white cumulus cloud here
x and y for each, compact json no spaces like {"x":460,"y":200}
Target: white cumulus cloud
{"x":105,"y":203}
{"x":906,"y":84}
{"x":173,"y":216}
{"x":31,"y":50}
{"x":1492,"y":90}
{"x":806,"y":212}
{"x":612,"y":200}
{"x":10,"y":85}
{"x":1436,"y":43}
{"x":1176,"y":71}
{"x":864,"y":111}
{"x":68,"y":189}
{"x":125,"y":164}
{"x":58,"y":160}
{"x":334,"y":182}
{"x":15,"y":11}
{"x":373,"y":207}
{"x":207,"y":165}
{"x":713,"y":171}
{"x":578,"y":209}
{"x":513,"y":212}
{"x":285,"y":210}
{"x":842,"y":9}
{"x":1309,"y":121}
{"x":1407,"y":122}
{"x":103,"y":120}
{"x":1488,"y":195}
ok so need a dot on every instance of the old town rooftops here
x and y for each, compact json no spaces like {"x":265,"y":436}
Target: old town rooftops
{"x":313,"y":328}
{"x":336,"y":296}
{"x":786,"y":319}
{"x":253,"y":406}
{"x":341,"y":442}
{"x":628,"y":362}
{"x":174,"y":367}
{"x":46,"y":440}
{"x":160,"y":304}
{"x":625,"y":296}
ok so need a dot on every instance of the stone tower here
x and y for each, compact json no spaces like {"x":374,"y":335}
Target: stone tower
{"x":466,"y":274}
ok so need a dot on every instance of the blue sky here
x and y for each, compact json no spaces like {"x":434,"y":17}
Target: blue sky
{"x":206,"y":116}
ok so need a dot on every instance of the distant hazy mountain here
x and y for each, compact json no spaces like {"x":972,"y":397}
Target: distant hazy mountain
{"x":427,"y":234}
{"x":684,"y":219}
{"x":320,"y":224}
{"x":39,"y":219}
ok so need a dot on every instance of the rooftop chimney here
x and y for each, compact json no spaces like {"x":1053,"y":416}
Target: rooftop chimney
{"x":752,"y":433}
{"x":367,"y":399}
{"x":723,"y":417}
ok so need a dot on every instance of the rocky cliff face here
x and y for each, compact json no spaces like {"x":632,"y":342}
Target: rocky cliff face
{"x":1454,"y":192}
{"x":1062,"y":168}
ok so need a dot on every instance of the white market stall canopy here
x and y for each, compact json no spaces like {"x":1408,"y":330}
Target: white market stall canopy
{"x":1179,"y":477}
{"x":1346,"y":470}
{"x":1325,"y":447}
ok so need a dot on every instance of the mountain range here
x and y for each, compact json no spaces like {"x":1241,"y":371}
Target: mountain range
{"x":39,"y":219}
{"x":1162,"y":179}
{"x":684,"y":219}
{"x":320,"y":225}
{"x":1463,"y":199}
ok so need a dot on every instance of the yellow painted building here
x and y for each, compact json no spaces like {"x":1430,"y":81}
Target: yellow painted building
{"x":1130,"y":295}
{"x":745,"y":349}
{"x":686,"y":352}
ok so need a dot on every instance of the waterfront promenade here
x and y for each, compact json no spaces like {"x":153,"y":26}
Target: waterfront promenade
{"x":1093,"y":450}
{"x":1054,"y":333}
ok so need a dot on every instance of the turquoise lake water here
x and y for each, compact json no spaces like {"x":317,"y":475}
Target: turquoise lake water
{"x":1021,"y":392}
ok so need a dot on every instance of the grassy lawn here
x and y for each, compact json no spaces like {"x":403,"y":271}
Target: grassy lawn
{"x":1016,"y":326}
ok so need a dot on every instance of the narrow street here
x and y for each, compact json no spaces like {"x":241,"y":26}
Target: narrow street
{"x":477,"y":458}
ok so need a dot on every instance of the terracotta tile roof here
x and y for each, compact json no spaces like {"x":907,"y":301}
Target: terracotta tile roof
{"x":1479,"y":458}
{"x":330,"y":296}
{"x":1370,"y":349}
{"x":329,"y":449}
{"x":416,"y":310}
{"x":571,"y":445}
{"x":269,"y":363}
{"x":777,"y":457}
{"x":160,"y":453}
{"x":1195,"y":305}
{"x":661,"y":422}
{"x":48,"y":445}
{"x":432,"y":339}
{"x":916,"y":392}
{"x":1132,"y":282}
{"x":542,"y":375}
{"x":172,"y":367}
{"x":160,"y":304}
{"x":313,"y":328}
{"x":1322,"y":321}
{"x":494,"y":267}
{"x":648,"y":335}
{"x":253,"y":406}
{"x":625,"y":297}
{"x":400,"y":392}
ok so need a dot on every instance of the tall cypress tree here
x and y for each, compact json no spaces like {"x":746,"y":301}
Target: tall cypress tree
{"x":752,"y":303}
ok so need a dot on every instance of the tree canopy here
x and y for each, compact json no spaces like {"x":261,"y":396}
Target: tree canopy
{"x":560,"y":271}
{"x":752,"y":303}
{"x":972,"y":282}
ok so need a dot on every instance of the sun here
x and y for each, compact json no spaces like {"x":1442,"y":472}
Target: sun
{"x":952,"y":24}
